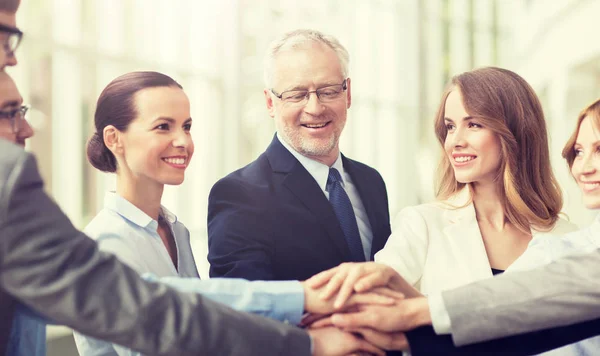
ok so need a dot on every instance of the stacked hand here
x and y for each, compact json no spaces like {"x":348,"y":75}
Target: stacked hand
{"x":365,"y":301}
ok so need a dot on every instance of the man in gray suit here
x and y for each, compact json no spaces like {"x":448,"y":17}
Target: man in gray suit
{"x":46,"y":264}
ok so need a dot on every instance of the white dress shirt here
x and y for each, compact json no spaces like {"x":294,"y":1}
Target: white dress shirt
{"x":320,"y":172}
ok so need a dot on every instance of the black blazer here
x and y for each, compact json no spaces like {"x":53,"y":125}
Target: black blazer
{"x":271,"y":221}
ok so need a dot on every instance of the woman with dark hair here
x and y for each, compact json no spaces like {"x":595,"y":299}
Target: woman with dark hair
{"x":496,"y":190}
{"x":143,"y":135}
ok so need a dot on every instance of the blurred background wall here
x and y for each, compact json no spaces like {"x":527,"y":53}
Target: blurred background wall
{"x":402,"y":53}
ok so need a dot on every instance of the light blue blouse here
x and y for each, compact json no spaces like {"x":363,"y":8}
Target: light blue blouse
{"x":127,"y":232}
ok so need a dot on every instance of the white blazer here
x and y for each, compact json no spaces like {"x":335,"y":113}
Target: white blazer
{"x":436,"y":247}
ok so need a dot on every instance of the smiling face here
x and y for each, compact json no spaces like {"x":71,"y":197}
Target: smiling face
{"x":473,"y":150}
{"x":586,"y":165}
{"x":312,"y":128}
{"x":157,"y":146}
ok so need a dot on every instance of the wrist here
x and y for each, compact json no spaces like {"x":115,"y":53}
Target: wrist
{"x":305,"y":295}
{"x":421,"y":315}
{"x":314,"y":342}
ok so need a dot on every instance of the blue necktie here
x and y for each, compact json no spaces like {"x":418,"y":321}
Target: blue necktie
{"x":343,"y":210}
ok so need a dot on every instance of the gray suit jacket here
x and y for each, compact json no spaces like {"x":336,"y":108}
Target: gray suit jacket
{"x":562,"y":293}
{"x":56,"y":270}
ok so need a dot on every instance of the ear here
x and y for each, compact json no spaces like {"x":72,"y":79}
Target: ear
{"x":112,"y":139}
{"x":269,"y":102}
{"x":348,"y":94}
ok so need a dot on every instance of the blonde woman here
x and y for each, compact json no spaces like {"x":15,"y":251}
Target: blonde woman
{"x":582,"y":153}
{"x":496,"y":189}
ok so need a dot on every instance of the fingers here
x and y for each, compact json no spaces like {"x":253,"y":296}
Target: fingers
{"x":364,"y":345}
{"x":321,"y":279}
{"x":389,"y":293}
{"x":372,"y":280}
{"x":334,"y":283}
{"x":309,"y":319}
{"x":354,"y":274}
{"x":361,"y":318}
{"x":387,"y":277}
{"x":322,"y":323}
{"x":386,"y":341}
{"x":371,"y":298}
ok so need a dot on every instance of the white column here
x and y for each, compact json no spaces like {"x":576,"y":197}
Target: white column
{"x":67,"y":152}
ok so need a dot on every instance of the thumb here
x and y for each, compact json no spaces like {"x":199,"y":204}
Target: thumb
{"x":352,"y":320}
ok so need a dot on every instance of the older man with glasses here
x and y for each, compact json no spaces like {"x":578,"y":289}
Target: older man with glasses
{"x":301,"y":207}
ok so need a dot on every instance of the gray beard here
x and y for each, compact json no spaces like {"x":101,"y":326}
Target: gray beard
{"x":308,"y":147}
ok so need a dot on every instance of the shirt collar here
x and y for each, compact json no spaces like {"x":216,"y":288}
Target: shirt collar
{"x":595,"y":225}
{"x":126,"y":209}
{"x":318,"y":170}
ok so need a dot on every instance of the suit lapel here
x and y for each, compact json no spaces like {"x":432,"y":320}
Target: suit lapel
{"x":465,"y":238}
{"x":304,"y":187}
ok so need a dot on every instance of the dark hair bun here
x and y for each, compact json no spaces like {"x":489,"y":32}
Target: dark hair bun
{"x":99,"y":155}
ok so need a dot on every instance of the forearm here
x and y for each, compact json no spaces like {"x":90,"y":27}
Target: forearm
{"x":283,"y":301}
{"x":48,"y":265}
{"x":561,"y":293}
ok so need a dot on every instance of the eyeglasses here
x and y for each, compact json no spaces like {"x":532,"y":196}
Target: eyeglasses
{"x":325,"y":94}
{"x":16,"y":117}
{"x":13,"y":39}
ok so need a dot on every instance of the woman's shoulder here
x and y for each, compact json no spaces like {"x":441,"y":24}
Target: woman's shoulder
{"x":106,"y":223}
{"x":433,"y":209}
{"x":436,"y":213}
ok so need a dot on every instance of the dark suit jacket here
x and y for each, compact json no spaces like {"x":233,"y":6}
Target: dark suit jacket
{"x":424,"y":341}
{"x":271,"y":221}
{"x":46,"y":264}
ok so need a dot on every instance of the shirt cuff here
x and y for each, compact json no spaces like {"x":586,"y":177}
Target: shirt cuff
{"x":279,"y":300}
{"x":288,"y":306}
{"x":440,"y":319}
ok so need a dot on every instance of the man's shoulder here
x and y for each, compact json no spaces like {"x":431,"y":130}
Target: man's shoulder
{"x":257,"y":171}
{"x":360,"y":167}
